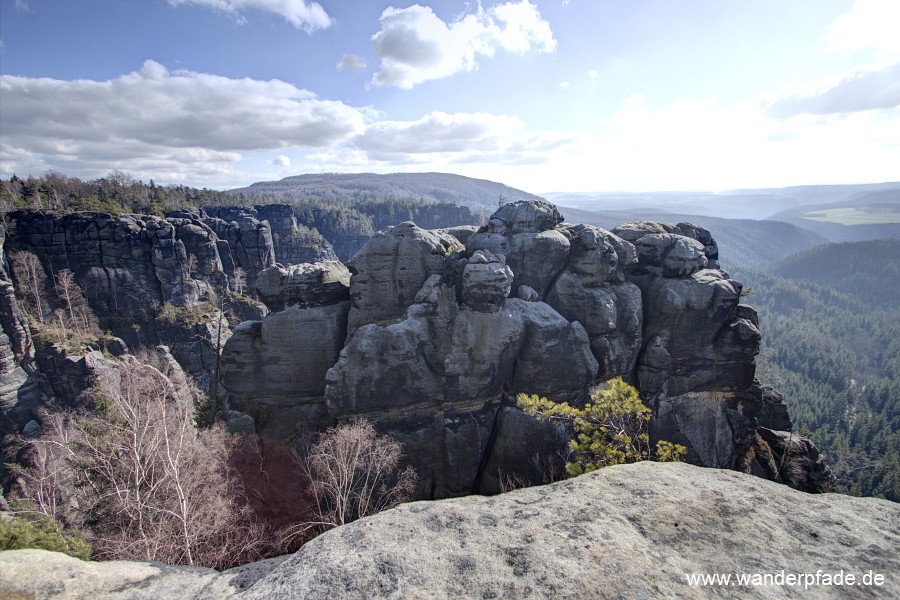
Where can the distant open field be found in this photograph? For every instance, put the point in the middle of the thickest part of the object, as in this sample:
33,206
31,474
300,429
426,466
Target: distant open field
876,214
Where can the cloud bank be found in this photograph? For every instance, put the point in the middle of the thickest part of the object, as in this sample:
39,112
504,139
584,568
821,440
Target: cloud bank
157,120
457,138
414,45
870,24
198,128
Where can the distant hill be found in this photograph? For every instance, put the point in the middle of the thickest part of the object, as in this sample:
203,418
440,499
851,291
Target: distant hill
438,187
750,205
867,215
736,204
743,243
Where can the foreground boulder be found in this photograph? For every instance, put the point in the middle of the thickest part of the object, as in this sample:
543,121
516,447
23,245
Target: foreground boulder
631,531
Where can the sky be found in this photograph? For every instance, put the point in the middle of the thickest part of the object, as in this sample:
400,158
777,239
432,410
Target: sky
542,95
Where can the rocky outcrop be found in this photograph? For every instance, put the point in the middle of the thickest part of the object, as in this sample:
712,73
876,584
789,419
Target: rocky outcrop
592,290
391,268
144,276
431,333
441,337
632,531
697,365
273,370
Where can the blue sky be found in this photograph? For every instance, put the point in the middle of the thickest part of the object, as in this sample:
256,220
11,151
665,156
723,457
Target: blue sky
544,95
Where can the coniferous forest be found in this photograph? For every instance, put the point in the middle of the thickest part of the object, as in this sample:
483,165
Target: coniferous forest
831,344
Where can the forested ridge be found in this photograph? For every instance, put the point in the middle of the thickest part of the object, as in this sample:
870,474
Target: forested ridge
831,344
120,193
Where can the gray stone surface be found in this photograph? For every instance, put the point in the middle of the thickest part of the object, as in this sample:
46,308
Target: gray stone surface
630,531
635,230
441,373
391,268
306,284
275,369
675,255
486,282
527,216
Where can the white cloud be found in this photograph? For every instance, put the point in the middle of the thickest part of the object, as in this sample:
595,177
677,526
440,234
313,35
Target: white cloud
870,24
157,121
22,5
351,62
302,14
864,88
565,84
281,161
415,45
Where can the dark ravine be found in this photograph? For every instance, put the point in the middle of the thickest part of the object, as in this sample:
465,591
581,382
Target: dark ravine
629,531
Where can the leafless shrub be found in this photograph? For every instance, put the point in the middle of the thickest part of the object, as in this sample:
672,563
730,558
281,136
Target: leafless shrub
511,481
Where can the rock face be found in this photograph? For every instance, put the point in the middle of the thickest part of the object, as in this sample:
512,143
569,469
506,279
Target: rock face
630,531
307,284
696,369
254,232
273,370
391,268
441,337
132,267
127,266
20,396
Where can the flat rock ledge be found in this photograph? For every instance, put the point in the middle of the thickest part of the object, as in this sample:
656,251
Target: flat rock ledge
631,531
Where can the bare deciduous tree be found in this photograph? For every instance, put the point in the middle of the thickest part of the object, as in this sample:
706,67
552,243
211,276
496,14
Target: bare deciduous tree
48,475
148,484
239,280
30,278
353,472
78,313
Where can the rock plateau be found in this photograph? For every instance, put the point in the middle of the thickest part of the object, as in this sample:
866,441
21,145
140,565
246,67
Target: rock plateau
629,531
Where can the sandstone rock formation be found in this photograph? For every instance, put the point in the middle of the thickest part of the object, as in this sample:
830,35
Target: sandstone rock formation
440,338
429,333
132,267
629,531
255,232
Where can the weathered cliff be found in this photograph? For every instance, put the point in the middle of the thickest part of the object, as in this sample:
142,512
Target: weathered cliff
629,531
146,278
430,333
20,395
443,331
